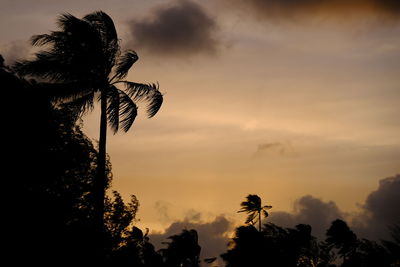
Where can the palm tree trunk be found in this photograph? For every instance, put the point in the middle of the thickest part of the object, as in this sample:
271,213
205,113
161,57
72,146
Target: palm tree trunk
259,221
101,178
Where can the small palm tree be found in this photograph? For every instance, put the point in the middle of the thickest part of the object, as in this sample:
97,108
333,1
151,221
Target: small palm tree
83,62
254,208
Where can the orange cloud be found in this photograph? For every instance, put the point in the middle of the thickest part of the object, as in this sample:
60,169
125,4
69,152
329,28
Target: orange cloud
276,9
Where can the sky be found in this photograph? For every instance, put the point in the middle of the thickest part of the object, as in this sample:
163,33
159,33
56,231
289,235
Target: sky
296,101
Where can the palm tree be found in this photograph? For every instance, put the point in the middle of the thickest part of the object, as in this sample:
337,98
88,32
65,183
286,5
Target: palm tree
254,208
83,62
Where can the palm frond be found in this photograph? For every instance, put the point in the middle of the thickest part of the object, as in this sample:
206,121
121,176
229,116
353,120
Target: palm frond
105,23
250,219
75,53
65,91
252,204
67,21
81,45
137,91
124,63
247,207
256,200
83,104
106,28
48,66
44,39
265,213
113,102
146,92
128,111
121,110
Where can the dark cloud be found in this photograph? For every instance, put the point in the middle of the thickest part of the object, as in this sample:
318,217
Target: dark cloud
267,146
381,210
275,9
282,149
182,28
309,210
378,214
212,235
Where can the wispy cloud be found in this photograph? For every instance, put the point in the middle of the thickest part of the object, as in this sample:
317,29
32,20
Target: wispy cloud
284,149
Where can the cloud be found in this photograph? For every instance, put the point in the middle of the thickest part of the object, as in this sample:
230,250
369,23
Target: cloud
162,208
213,237
181,28
277,9
378,214
14,51
380,211
268,146
309,210
282,149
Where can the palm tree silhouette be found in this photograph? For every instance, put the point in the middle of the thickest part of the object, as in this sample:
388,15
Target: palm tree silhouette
254,208
83,62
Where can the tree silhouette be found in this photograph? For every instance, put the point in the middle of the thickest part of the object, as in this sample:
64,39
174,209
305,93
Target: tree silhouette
183,250
274,246
254,208
246,248
340,236
119,218
83,62
127,245
393,246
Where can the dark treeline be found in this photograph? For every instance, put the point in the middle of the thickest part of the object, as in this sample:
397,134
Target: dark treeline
277,246
51,195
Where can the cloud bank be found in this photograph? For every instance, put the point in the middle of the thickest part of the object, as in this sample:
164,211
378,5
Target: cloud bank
381,210
213,237
275,9
309,210
377,215
182,28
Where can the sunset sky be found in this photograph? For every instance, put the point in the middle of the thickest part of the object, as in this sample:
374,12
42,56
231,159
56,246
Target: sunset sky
277,98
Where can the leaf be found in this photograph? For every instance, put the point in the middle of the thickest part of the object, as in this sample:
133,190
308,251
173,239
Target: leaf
265,213
121,110
125,62
106,28
250,218
155,101
104,23
113,108
128,111
146,92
